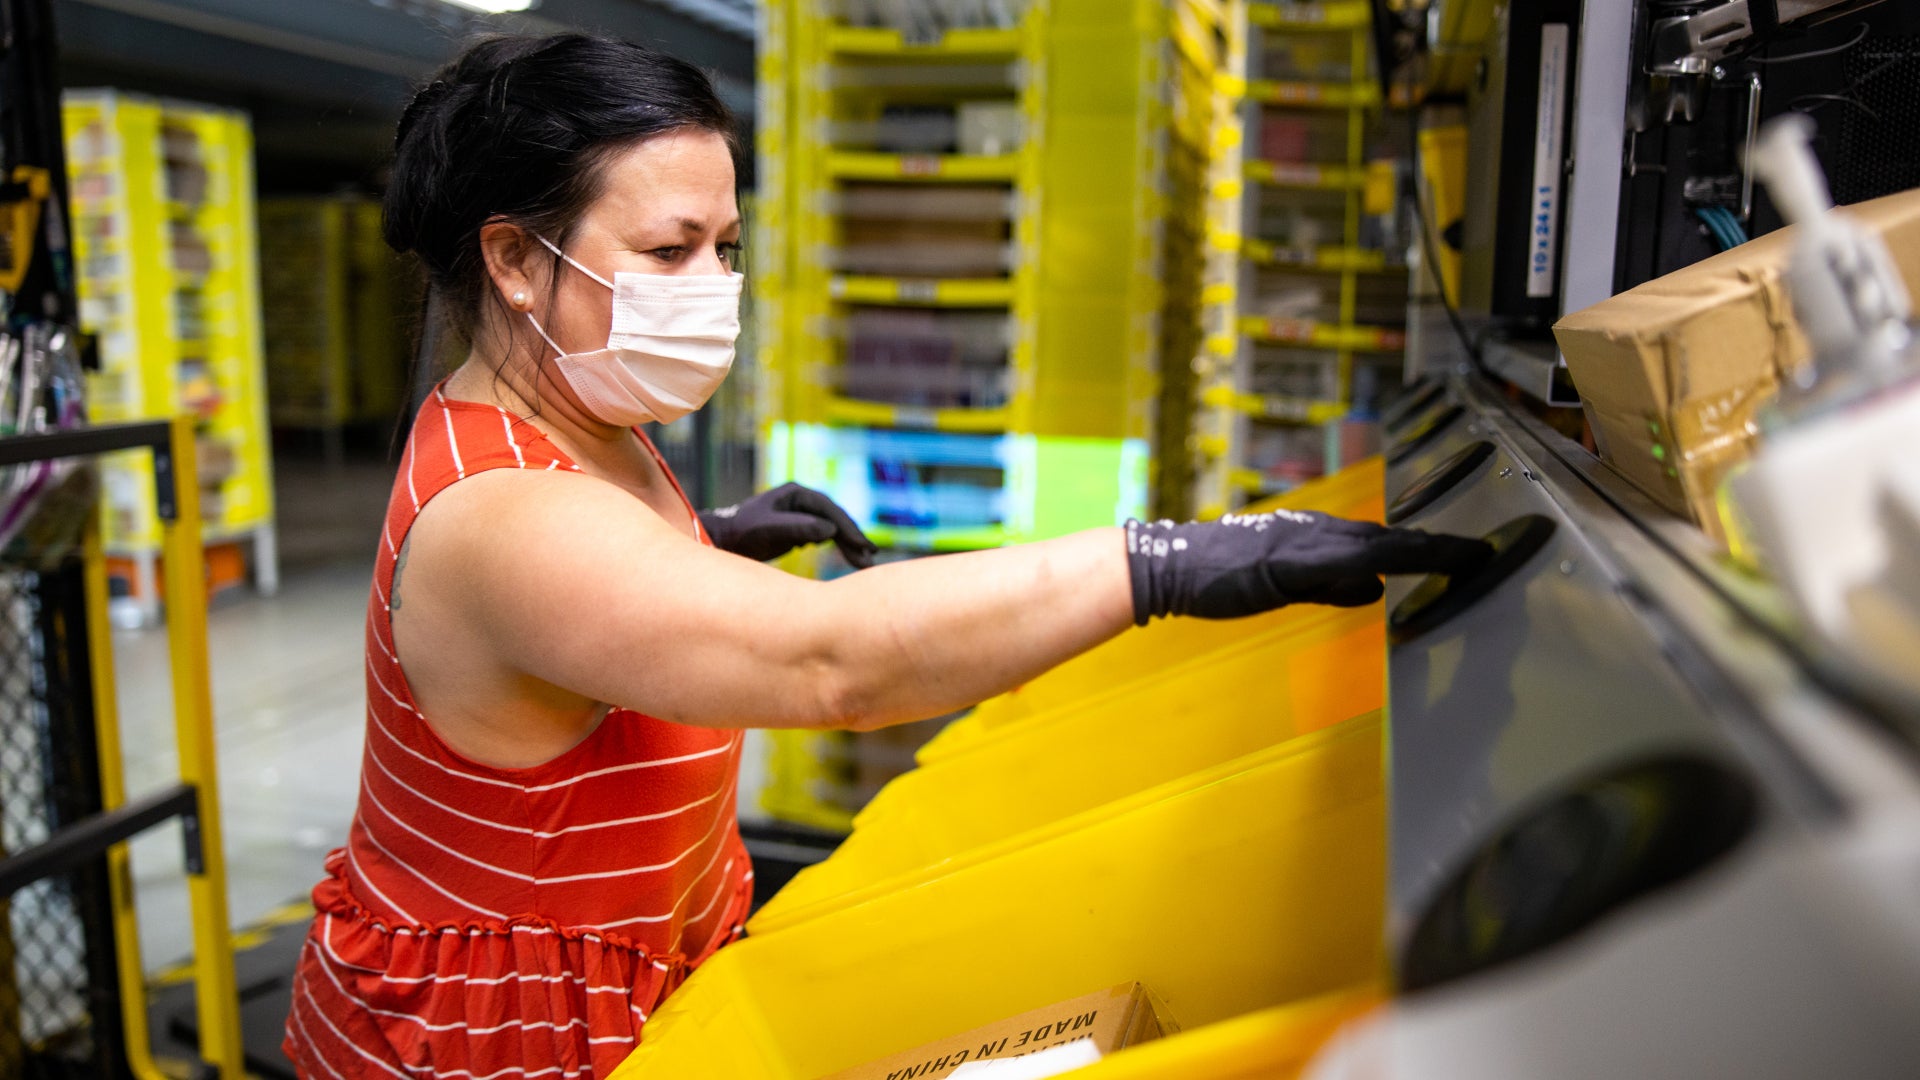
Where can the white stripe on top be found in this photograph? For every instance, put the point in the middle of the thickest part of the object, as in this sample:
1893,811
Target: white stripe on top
425,880
413,455
506,422
652,763
453,443
522,829
458,1025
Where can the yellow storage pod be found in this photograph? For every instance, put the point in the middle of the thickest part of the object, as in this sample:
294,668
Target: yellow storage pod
166,257
1261,886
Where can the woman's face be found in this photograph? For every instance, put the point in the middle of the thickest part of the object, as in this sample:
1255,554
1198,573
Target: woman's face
667,207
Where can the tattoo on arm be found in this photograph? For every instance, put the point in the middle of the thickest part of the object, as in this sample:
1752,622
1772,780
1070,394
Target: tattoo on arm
399,564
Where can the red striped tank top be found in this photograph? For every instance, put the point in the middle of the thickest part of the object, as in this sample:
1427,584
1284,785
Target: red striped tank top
487,922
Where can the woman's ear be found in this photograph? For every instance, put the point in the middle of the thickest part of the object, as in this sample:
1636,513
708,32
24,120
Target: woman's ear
511,263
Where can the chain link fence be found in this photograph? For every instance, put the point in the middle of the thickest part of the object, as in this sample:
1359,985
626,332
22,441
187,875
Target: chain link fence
55,935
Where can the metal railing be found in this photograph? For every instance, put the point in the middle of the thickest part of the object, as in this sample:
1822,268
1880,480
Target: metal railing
80,843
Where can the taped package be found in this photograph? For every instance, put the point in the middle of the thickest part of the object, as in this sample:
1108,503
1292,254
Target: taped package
1674,374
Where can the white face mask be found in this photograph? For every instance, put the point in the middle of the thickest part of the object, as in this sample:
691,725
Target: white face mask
670,347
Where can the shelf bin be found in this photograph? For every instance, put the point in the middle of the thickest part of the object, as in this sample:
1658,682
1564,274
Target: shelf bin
1145,654
1263,887
1079,758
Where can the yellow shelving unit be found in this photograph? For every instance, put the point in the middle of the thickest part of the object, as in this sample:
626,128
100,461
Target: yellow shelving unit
962,331
336,353
1286,315
165,238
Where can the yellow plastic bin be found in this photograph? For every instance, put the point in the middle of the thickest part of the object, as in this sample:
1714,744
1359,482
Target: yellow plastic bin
1070,760
1355,492
1263,887
1272,1044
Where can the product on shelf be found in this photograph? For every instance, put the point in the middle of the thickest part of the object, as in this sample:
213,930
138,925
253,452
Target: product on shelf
928,358
990,128
924,248
924,18
922,202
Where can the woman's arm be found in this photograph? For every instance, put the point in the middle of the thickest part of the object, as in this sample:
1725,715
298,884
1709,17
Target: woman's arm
573,582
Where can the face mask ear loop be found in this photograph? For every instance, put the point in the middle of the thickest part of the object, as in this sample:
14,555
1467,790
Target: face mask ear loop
557,350
570,262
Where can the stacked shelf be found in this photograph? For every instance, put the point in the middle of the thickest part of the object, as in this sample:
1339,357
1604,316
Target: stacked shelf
915,234
336,352
1306,282
1196,58
958,277
165,241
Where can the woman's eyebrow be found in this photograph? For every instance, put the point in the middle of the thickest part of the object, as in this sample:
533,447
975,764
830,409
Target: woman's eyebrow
694,225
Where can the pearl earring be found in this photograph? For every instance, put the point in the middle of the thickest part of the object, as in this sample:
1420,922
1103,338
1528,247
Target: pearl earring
520,299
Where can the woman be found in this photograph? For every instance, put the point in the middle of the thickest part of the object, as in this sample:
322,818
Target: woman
545,843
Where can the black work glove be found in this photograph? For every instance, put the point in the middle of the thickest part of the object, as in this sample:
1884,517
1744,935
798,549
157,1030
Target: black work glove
1244,564
775,522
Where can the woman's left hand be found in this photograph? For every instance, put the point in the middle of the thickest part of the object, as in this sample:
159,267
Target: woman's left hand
775,522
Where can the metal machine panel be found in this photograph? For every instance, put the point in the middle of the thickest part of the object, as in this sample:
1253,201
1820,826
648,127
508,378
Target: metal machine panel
1546,678
1632,835
1519,112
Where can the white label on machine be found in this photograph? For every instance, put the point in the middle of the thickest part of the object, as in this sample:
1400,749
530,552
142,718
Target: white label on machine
1544,230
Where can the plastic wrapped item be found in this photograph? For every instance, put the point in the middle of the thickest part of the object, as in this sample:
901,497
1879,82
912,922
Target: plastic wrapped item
990,128
1294,296
934,359
925,202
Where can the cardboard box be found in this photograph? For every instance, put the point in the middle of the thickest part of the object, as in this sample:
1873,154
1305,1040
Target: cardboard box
1111,1019
1673,374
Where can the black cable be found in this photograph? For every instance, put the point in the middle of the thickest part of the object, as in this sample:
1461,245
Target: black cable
1427,237
1826,99
1865,29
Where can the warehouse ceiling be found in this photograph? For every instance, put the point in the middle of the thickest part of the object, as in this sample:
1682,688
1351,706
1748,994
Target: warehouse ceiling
325,80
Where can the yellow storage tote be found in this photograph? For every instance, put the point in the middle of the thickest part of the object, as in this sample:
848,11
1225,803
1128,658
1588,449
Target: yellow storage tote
1272,1044
1355,492
1264,886
1225,705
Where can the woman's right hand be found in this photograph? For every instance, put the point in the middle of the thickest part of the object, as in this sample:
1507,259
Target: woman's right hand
1244,564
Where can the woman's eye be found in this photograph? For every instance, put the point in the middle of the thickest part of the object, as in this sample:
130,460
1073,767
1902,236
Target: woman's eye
730,252
668,254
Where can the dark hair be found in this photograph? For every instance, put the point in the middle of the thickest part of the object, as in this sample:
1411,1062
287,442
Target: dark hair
519,127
